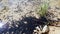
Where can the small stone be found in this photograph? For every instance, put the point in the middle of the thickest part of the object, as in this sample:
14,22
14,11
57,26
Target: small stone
45,29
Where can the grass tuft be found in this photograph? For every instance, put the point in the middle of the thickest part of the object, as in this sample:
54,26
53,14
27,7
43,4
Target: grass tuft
43,10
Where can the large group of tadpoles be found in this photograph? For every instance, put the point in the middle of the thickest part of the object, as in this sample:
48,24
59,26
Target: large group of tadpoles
27,25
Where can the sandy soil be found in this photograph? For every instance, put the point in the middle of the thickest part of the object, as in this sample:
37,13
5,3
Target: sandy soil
54,30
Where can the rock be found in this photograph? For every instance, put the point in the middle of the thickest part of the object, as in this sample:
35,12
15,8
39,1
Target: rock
38,30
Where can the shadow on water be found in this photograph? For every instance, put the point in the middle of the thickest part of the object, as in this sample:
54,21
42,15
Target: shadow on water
26,25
